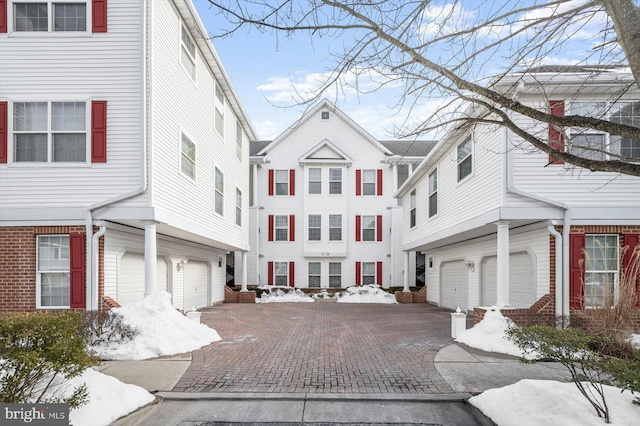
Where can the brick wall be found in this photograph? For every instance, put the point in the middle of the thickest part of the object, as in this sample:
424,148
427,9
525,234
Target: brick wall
18,264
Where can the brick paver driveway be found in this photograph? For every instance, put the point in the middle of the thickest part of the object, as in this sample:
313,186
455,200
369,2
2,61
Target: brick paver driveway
321,347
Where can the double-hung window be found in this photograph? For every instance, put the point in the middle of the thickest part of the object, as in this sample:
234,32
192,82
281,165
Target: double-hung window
335,274
595,145
281,272
465,158
282,227
335,181
314,274
50,132
315,180
188,53
601,270
238,207
219,110
315,227
188,157
335,227
219,191
433,193
282,182
53,271
47,16
368,273
238,140
368,228
412,212
369,182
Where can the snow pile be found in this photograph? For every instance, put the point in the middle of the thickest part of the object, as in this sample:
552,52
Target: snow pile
634,339
284,295
489,334
371,293
109,399
547,402
323,294
162,331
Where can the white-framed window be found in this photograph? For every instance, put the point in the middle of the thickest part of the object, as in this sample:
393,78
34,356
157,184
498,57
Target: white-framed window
335,274
219,191
282,227
335,227
368,228
591,144
412,211
335,181
368,273
188,52
50,16
369,182
187,157
238,207
219,124
53,271
314,274
238,140
281,273
433,193
465,158
315,180
315,227
602,268
282,182
50,132
219,93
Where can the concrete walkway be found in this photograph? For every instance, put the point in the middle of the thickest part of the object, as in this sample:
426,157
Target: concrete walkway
459,371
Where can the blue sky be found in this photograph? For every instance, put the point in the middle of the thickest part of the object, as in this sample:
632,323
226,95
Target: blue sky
262,68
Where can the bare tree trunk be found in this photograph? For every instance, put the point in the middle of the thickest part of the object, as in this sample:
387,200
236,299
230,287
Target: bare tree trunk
626,23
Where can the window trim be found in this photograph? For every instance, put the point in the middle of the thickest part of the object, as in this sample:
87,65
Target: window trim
375,182
309,181
335,227
309,274
362,274
238,207
616,272
50,133
275,182
412,208
239,139
218,194
433,193
335,275
470,156
309,227
333,180
39,273
183,49
276,227
362,226
183,134
275,274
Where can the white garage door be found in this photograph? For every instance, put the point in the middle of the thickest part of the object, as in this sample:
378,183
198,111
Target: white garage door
454,285
196,280
522,290
131,277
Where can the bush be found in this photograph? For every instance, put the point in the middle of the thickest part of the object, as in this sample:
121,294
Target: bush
106,327
39,352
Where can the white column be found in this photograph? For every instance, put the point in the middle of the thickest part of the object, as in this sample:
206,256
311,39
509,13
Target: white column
150,258
394,172
244,271
254,201
503,264
406,272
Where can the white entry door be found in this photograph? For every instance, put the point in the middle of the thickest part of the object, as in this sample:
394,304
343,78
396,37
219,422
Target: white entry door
454,285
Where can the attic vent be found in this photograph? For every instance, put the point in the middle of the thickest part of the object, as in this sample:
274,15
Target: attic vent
325,115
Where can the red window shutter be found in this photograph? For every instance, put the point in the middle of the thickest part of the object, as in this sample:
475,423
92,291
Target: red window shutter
292,274
379,228
4,131
292,182
358,273
99,131
358,228
358,182
77,272
272,183
379,181
270,273
379,273
271,226
576,270
3,16
556,139
292,228
99,18
631,260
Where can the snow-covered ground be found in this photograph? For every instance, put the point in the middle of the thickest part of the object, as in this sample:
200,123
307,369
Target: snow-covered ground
539,402
162,331
370,293
275,294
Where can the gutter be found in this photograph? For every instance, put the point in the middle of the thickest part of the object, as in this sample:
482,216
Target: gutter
91,280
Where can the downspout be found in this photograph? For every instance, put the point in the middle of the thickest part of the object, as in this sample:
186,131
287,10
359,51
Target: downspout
92,243
558,267
562,284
